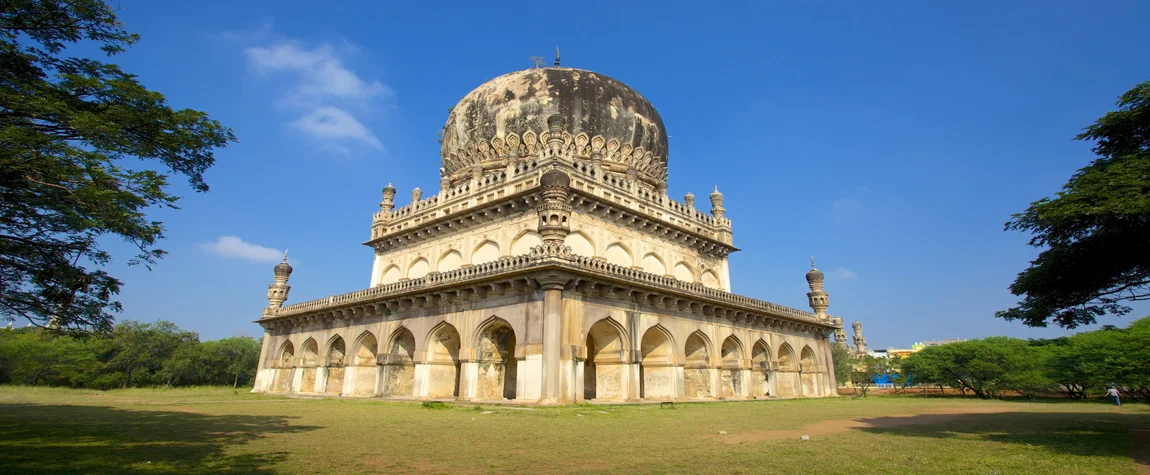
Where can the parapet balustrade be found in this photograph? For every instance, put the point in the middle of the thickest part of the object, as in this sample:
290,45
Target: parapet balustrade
538,258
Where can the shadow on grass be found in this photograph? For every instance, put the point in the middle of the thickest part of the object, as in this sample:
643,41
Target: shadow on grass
1075,433
95,439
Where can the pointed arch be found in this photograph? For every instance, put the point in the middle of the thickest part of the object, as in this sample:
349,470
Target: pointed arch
284,373
399,364
418,268
526,240
760,369
698,349
366,347
495,354
336,350
580,244
617,253
334,356
786,357
698,366
653,264
390,275
286,355
606,352
732,352
709,279
684,272
309,352
443,345
807,361
656,368
449,261
486,251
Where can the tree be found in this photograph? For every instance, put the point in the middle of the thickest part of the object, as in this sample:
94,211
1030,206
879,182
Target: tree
1096,231
866,369
68,125
235,359
137,351
844,363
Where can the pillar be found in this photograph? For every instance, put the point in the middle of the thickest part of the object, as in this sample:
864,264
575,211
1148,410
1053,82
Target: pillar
552,339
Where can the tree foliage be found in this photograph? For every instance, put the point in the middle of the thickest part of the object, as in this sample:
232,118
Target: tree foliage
133,354
69,127
1096,231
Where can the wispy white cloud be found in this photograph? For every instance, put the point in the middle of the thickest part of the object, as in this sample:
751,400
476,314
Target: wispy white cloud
333,125
847,206
843,273
232,246
326,92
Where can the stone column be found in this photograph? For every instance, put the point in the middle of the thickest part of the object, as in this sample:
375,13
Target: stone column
320,379
265,376
552,338
468,374
831,381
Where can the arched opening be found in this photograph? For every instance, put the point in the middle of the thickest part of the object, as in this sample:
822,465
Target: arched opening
579,245
760,369
603,369
731,371
418,269
399,365
809,372
391,275
657,370
618,255
309,359
684,273
443,360
497,365
486,252
450,261
652,263
284,366
710,280
525,242
697,367
366,371
787,381
336,351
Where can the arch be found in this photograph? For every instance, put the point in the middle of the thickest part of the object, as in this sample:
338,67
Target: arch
391,274
495,354
449,261
366,347
786,358
603,369
807,361
309,358
618,254
656,369
399,364
651,263
443,345
336,351
697,366
418,269
760,369
486,251
580,244
284,372
709,280
524,242
731,372
684,273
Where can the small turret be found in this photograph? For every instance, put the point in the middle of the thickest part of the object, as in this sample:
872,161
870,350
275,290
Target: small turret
689,198
717,203
840,334
388,202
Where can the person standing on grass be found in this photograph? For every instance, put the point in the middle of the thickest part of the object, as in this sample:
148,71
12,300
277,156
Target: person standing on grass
1114,397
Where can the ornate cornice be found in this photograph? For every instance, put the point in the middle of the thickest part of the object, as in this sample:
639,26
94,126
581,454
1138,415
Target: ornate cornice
515,274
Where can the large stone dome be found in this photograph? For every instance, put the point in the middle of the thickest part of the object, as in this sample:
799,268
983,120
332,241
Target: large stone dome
514,115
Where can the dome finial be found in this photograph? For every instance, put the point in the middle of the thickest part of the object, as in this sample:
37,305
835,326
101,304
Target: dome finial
557,56
285,255
812,262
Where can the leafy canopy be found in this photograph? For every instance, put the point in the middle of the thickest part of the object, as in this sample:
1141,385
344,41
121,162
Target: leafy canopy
69,129
1096,231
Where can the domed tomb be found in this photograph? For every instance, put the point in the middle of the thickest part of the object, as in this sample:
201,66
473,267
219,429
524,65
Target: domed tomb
515,116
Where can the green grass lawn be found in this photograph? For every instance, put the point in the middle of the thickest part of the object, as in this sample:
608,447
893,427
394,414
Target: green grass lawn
218,430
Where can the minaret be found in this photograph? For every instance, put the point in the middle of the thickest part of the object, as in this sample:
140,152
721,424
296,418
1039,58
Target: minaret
818,298
860,340
717,203
554,211
388,202
278,291
840,334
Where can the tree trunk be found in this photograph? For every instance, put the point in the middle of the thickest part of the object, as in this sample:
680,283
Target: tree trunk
236,381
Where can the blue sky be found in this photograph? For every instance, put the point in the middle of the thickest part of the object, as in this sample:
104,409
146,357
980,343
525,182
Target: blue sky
891,140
